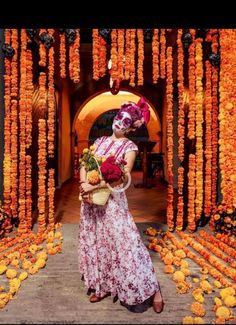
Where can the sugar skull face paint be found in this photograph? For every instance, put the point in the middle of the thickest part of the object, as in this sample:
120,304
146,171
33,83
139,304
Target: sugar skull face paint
122,122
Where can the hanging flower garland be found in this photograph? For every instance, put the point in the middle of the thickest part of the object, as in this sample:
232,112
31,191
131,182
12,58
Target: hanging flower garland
199,129
114,55
102,56
120,55
227,144
163,54
42,154
191,193
51,102
22,137
155,56
28,187
208,146
51,207
192,92
132,57
74,56
140,56
29,96
95,54
62,55
42,50
215,124
7,137
169,95
127,53
14,125
181,130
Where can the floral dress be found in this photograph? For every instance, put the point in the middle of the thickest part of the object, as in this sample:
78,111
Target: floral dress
112,256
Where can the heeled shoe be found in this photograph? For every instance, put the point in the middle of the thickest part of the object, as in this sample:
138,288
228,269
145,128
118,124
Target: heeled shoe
158,303
95,298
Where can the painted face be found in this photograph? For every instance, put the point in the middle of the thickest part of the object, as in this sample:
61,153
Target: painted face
121,122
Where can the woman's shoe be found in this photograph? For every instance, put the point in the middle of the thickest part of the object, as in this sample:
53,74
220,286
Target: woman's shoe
95,298
158,303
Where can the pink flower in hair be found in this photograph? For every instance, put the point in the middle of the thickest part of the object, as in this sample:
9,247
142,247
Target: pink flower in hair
139,112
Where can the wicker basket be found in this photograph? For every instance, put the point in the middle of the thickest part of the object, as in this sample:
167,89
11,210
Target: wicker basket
101,195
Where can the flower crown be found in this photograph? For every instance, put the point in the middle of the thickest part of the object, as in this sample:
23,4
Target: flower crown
139,112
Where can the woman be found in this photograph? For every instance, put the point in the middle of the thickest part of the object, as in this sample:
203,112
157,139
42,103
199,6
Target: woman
113,259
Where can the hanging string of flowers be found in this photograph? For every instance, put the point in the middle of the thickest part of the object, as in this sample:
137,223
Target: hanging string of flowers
29,96
191,79
28,187
181,130
76,57
22,137
14,124
102,56
199,129
155,56
42,50
42,155
208,147
140,56
226,117
191,193
51,102
132,57
120,56
169,95
62,55
114,55
51,207
215,124
7,137
95,54
127,53
163,53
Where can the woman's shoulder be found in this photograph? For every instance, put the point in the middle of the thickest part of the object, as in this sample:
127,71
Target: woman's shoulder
130,145
100,139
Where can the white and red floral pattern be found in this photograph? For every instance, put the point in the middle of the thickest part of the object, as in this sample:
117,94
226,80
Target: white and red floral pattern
112,257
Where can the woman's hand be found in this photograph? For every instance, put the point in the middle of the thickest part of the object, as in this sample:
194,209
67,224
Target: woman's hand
86,188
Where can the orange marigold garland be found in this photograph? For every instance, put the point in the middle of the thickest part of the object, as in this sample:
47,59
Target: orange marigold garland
192,93
28,201
181,131
62,55
163,54
95,54
14,125
7,137
127,53
74,58
155,55
191,193
215,124
169,95
29,96
120,56
227,126
140,56
199,129
114,55
51,102
51,191
208,147
132,57
42,51
102,56
22,137
42,162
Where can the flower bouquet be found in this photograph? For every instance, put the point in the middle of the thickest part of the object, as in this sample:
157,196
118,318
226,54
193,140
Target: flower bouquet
101,169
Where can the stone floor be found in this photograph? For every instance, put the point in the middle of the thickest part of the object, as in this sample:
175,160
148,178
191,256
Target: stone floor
56,294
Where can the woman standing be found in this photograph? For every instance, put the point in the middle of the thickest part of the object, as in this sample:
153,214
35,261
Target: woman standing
112,257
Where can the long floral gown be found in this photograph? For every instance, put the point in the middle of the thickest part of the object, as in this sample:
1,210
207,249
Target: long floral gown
112,256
